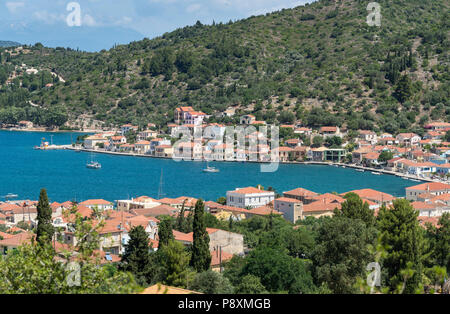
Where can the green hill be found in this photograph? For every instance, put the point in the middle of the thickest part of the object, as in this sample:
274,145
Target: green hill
6,43
319,63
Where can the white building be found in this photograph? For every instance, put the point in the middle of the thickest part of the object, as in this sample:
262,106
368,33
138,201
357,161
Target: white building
249,197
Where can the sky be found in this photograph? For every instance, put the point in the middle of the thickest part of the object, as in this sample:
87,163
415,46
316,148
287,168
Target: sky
103,23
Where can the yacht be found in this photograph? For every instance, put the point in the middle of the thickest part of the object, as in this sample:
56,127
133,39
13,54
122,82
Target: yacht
210,169
93,164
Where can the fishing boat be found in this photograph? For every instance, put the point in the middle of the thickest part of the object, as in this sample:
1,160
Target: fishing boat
360,170
210,169
376,173
10,196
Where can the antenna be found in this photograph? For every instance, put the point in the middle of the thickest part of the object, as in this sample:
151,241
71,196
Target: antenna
160,189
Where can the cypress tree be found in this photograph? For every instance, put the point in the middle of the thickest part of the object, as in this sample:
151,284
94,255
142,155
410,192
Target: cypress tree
45,228
136,258
165,233
403,236
201,257
180,220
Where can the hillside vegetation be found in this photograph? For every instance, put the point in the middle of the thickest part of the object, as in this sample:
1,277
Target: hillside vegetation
319,63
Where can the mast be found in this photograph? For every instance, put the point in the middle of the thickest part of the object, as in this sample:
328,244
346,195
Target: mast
160,189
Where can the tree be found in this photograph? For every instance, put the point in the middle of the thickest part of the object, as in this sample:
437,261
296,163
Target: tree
277,270
174,262
201,256
165,233
447,136
341,253
441,250
402,235
317,141
403,89
385,156
211,282
355,208
136,258
250,285
45,230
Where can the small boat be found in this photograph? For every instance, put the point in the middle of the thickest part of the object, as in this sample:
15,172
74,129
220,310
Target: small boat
376,173
93,165
210,169
360,170
10,196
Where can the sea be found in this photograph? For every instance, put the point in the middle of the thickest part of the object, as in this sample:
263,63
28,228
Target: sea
63,173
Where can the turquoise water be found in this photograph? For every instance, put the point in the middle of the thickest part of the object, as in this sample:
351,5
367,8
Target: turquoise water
63,173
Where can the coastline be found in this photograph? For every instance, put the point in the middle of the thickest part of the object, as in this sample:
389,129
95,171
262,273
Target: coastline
48,131
321,163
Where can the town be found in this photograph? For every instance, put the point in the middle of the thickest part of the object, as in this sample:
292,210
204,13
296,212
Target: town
18,218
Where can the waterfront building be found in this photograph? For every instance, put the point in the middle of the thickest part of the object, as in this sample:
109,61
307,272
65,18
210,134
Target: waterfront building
335,154
290,207
373,195
434,188
98,203
249,197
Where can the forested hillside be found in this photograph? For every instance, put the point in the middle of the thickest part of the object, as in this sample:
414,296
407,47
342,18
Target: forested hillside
319,63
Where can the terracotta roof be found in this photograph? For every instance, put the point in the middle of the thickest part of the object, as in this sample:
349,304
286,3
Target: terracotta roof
320,206
156,211
249,190
95,202
17,240
216,256
372,195
422,206
300,192
430,186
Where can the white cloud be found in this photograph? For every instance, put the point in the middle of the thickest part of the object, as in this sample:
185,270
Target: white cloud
13,7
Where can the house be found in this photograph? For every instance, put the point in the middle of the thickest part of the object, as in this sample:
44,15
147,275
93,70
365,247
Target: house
368,136
293,143
435,188
290,207
318,154
330,131
116,141
303,130
443,169
141,202
142,147
164,151
92,142
300,194
180,114
358,154
147,134
424,169
335,154
25,124
408,139
13,242
156,211
438,126
319,208
249,197
284,153
194,117
98,203
373,195
371,159
157,142
124,129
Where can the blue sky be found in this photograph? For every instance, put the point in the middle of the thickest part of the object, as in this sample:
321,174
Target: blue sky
105,22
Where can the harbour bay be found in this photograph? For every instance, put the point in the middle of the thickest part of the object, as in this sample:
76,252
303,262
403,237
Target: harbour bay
64,174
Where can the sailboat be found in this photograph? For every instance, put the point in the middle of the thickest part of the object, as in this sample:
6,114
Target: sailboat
210,169
93,164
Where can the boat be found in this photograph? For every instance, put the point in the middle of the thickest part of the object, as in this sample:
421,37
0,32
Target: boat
360,170
210,169
376,173
93,164
10,196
